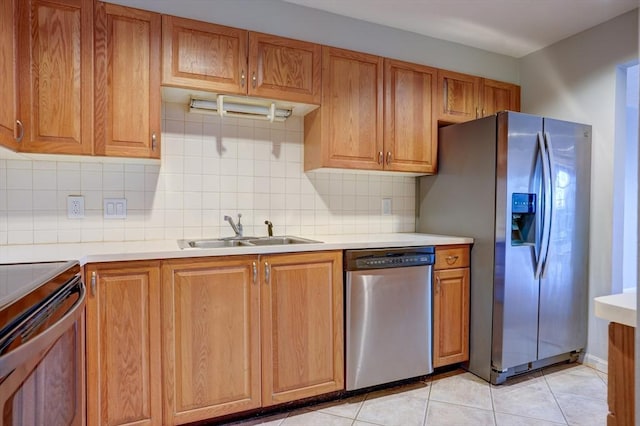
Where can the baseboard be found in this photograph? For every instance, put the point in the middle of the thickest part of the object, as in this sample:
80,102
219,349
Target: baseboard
596,363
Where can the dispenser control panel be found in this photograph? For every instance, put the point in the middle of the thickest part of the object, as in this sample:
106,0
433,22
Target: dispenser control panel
523,203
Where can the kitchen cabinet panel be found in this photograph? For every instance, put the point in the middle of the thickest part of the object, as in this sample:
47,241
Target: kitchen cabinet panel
347,130
210,323
451,292
621,381
410,132
127,94
123,344
458,96
203,56
55,65
499,96
302,326
9,128
286,69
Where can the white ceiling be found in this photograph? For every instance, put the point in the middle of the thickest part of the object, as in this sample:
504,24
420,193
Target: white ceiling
510,27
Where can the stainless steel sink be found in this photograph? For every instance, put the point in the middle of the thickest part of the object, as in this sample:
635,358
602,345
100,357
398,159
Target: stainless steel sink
243,242
281,240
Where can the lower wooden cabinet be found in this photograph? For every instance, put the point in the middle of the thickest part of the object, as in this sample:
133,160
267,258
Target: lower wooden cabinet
123,344
211,340
451,287
621,383
302,326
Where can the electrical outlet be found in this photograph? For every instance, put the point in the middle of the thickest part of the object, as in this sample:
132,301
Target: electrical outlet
386,206
115,208
75,206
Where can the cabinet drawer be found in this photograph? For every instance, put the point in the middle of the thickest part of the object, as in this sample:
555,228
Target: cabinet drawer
448,257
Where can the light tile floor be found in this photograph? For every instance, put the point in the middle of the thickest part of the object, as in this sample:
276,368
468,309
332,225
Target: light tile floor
560,395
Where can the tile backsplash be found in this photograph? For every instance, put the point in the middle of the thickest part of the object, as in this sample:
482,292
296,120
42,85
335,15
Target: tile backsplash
210,167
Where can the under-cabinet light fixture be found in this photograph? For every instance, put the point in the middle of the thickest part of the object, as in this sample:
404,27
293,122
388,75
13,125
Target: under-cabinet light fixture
223,108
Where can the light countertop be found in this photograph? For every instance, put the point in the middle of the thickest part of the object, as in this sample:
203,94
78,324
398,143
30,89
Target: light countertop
166,249
620,308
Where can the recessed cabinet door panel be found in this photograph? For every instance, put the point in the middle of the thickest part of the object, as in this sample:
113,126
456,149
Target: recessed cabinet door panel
352,94
302,326
451,316
458,97
410,132
211,330
283,68
56,75
127,82
203,56
123,344
499,96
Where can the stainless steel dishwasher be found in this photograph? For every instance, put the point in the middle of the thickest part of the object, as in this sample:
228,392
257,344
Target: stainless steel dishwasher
388,315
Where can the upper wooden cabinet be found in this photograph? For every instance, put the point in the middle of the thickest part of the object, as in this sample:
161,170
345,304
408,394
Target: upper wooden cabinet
203,56
347,130
211,346
123,343
302,326
127,82
463,97
55,66
9,127
410,132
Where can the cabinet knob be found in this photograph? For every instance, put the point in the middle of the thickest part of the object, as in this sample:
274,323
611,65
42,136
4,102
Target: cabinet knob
20,128
267,273
255,272
93,283
388,157
242,78
438,284
380,157
154,141
254,80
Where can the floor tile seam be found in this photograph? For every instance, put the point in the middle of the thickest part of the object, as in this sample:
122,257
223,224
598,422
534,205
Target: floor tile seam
461,405
530,417
493,405
309,409
581,396
564,416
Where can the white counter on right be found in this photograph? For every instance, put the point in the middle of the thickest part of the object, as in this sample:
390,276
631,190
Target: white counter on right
620,308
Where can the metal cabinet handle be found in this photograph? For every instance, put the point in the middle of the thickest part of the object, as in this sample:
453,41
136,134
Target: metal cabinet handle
477,112
254,80
484,112
388,157
94,278
255,272
267,273
437,283
20,130
154,140
380,157
242,78
451,259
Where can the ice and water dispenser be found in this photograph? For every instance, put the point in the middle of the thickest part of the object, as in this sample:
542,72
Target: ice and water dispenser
523,219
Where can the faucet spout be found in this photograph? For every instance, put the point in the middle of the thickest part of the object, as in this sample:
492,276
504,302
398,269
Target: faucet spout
269,227
237,228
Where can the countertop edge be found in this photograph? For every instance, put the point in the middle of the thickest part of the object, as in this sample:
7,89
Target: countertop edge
168,249
620,308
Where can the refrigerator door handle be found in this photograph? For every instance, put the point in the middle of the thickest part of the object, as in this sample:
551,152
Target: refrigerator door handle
550,197
546,192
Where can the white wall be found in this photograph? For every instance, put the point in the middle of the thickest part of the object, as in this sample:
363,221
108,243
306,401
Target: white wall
575,80
210,168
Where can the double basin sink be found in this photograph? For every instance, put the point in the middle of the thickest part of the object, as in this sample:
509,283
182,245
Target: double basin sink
243,242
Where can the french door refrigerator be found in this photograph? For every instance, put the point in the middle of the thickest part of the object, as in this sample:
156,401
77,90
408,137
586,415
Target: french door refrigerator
519,185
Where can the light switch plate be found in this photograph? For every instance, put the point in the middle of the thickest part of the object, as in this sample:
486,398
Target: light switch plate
386,206
115,208
75,206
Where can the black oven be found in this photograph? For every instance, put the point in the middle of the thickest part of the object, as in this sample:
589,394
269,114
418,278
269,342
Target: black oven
42,344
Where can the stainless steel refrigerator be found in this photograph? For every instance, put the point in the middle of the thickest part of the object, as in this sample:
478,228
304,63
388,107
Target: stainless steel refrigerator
519,185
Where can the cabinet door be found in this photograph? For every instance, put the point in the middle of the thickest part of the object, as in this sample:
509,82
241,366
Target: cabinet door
346,131
450,316
123,344
127,95
9,128
211,342
409,129
499,96
458,97
302,326
55,65
282,68
203,56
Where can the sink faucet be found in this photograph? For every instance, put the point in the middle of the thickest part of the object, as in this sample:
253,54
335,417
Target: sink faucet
269,227
237,228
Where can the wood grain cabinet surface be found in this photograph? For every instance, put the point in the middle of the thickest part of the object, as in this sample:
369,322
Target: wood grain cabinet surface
127,82
463,97
203,56
55,68
211,337
621,387
123,344
451,290
9,126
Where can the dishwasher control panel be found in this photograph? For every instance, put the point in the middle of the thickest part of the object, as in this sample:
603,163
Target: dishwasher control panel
388,258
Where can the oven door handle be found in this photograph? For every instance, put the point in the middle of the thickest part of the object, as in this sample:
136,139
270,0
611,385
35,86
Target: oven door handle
39,345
